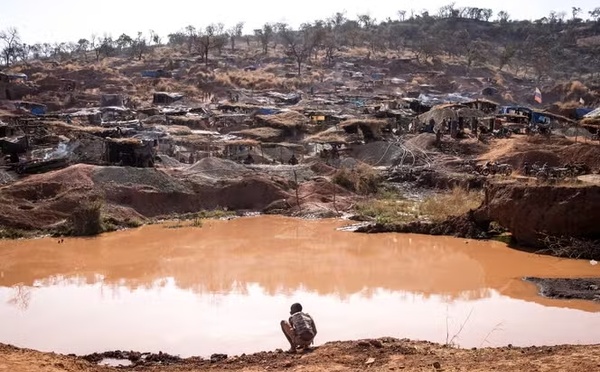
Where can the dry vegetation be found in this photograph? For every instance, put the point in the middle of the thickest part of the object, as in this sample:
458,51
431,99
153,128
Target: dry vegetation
362,180
393,208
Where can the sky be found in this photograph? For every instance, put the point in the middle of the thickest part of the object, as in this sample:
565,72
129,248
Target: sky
70,20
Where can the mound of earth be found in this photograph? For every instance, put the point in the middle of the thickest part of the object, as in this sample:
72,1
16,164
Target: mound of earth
554,151
532,212
378,153
43,201
386,354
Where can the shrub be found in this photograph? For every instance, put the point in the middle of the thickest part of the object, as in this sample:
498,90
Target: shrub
86,220
362,180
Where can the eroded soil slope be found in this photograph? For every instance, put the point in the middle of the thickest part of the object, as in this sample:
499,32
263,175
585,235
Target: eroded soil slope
376,355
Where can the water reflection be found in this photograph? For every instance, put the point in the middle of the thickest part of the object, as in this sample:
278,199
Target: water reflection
162,288
21,297
70,317
284,255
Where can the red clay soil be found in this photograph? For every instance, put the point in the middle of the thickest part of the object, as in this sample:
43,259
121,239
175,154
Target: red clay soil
538,149
530,210
42,201
385,354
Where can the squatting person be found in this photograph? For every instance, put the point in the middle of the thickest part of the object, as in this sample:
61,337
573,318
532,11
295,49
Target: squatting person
300,330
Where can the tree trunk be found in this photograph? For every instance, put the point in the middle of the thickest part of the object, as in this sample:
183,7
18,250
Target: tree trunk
299,67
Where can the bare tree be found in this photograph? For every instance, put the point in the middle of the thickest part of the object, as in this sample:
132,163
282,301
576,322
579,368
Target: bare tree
139,46
265,35
235,32
82,47
402,15
11,39
298,46
192,35
207,41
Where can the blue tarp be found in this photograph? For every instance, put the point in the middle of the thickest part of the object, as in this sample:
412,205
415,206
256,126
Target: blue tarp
38,110
581,112
268,111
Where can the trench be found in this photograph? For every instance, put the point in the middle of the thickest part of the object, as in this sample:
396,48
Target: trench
224,287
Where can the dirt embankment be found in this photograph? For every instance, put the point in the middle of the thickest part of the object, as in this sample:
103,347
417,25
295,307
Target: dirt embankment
530,212
385,354
558,220
134,195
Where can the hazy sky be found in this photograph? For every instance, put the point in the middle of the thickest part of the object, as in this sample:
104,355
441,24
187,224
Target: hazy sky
70,20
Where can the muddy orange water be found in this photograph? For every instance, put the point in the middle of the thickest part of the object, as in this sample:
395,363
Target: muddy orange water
225,286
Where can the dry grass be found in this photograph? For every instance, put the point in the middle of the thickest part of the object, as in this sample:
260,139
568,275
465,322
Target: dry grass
290,119
257,80
457,202
391,208
331,135
261,134
362,180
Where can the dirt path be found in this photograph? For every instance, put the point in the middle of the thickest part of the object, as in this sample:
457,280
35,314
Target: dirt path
376,355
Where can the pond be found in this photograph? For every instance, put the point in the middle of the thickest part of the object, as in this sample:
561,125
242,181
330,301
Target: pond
225,286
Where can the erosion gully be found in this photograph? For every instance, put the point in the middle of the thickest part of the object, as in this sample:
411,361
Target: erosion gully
225,286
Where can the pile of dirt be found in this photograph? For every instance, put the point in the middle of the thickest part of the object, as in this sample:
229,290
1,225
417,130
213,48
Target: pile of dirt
320,198
169,162
218,168
540,157
378,153
385,354
44,201
585,153
424,141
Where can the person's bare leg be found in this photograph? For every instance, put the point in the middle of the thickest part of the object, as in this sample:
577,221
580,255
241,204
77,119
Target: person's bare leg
289,334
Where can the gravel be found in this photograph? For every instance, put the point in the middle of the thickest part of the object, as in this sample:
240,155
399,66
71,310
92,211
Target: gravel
151,177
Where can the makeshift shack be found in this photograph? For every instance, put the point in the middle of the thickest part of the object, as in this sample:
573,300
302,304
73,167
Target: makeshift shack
369,129
115,100
291,122
130,152
484,105
165,98
31,107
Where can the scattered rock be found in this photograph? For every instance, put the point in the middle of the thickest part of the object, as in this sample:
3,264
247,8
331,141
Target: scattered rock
217,358
370,361
376,343
437,365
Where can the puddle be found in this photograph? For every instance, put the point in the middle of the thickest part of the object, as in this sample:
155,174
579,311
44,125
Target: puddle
110,362
223,288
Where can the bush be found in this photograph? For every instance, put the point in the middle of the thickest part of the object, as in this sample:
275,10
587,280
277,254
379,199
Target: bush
362,180
86,220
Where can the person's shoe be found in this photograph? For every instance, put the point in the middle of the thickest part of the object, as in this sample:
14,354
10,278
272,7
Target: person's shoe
291,351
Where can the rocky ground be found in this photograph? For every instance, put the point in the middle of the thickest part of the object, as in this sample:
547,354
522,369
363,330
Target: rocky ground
584,288
377,355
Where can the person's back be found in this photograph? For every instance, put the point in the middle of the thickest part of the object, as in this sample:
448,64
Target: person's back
301,330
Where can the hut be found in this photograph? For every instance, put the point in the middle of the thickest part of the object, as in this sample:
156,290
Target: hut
263,134
291,122
112,100
485,105
166,98
130,152
369,129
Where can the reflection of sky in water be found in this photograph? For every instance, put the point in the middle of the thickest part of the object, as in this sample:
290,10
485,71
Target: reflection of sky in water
71,316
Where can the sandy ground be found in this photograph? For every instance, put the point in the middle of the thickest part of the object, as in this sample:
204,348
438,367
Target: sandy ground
377,355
